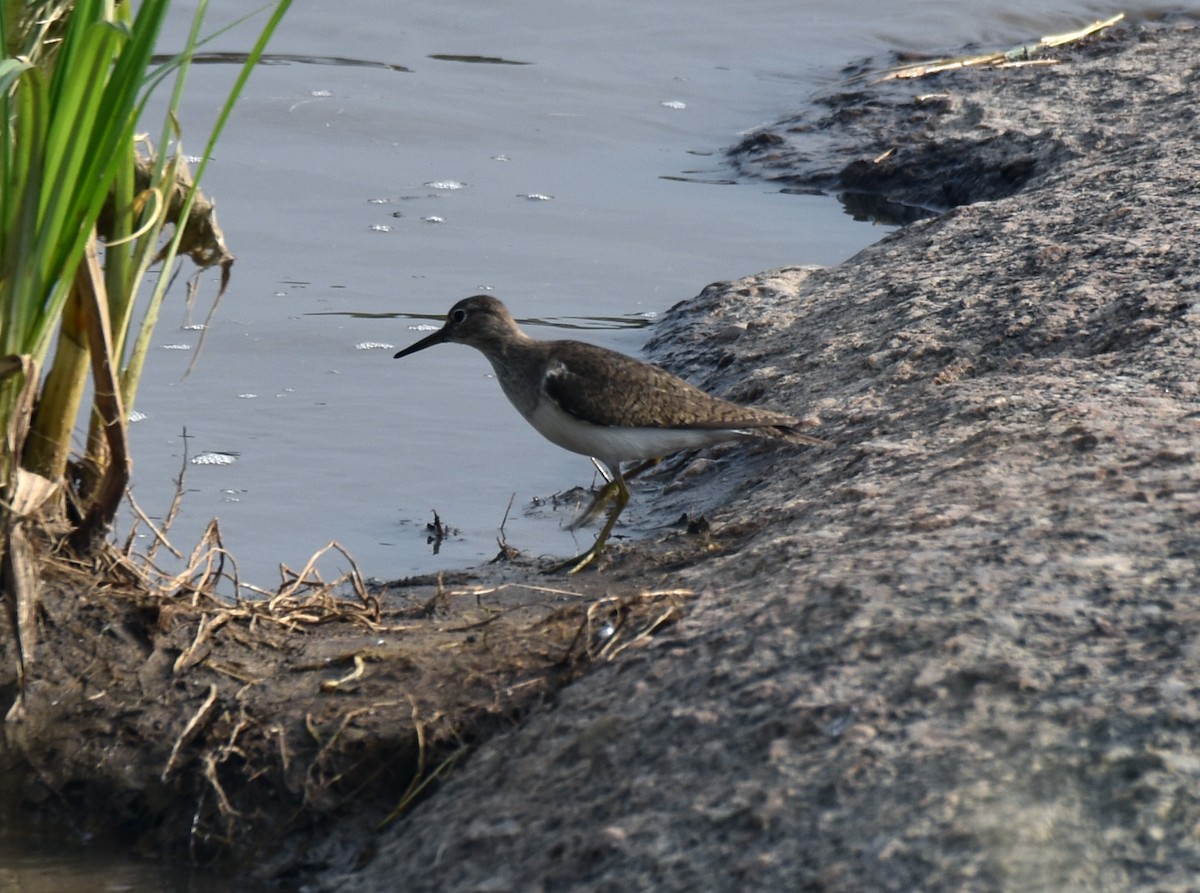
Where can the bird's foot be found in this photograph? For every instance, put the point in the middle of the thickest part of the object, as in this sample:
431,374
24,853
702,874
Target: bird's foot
574,565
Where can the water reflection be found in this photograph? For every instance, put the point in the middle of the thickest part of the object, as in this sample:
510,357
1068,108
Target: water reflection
235,58
284,59
476,60
573,323
29,865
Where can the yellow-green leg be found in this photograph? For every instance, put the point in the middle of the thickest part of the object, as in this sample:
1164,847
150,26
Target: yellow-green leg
615,487
622,500
579,562
607,492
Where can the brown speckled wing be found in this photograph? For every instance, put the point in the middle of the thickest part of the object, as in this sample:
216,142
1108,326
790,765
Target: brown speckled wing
608,388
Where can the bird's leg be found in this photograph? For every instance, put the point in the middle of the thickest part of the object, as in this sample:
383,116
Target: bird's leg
579,562
602,468
600,500
640,467
608,491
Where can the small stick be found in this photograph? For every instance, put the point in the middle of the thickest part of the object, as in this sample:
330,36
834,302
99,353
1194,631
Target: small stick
192,729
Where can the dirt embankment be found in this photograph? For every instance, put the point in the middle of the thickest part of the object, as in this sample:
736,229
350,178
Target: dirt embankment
961,651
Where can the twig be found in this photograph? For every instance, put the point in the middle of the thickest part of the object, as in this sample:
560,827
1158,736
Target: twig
210,773
203,633
191,730
608,652
159,536
177,499
357,673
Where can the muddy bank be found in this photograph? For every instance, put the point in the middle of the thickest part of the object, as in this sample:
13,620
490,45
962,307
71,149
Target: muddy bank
236,733
957,652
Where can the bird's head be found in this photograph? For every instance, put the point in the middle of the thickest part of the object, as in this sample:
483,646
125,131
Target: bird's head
480,321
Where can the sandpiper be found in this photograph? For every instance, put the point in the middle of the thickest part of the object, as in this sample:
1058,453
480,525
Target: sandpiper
601,403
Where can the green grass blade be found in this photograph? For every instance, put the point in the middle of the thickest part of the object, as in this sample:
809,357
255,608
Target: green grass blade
21,285
69,115
141,347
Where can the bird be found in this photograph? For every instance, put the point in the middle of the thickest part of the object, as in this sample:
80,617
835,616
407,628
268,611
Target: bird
602,404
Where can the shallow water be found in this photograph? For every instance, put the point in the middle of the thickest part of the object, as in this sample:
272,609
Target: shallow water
580,186
32,861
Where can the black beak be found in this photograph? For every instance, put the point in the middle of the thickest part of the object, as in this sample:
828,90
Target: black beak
438,337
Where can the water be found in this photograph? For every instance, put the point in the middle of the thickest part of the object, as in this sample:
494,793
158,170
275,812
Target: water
33,860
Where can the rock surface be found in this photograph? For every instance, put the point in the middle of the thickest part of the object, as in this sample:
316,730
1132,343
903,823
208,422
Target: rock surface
961,651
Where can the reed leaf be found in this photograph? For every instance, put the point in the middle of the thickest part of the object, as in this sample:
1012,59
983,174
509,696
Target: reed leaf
70,165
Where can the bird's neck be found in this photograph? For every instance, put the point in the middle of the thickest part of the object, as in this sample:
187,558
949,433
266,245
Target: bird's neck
518,362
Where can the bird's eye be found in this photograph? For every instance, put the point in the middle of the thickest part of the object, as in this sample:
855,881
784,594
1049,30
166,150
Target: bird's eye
458,315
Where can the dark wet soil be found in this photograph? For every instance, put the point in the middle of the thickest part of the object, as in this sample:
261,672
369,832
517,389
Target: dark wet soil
183,722
958,652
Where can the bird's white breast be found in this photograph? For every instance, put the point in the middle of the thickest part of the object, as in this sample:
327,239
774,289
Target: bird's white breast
612,445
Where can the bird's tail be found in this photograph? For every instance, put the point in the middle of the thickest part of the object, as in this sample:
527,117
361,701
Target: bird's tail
795,435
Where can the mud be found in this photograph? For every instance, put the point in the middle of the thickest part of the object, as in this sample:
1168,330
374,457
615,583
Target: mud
960,651
219,731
